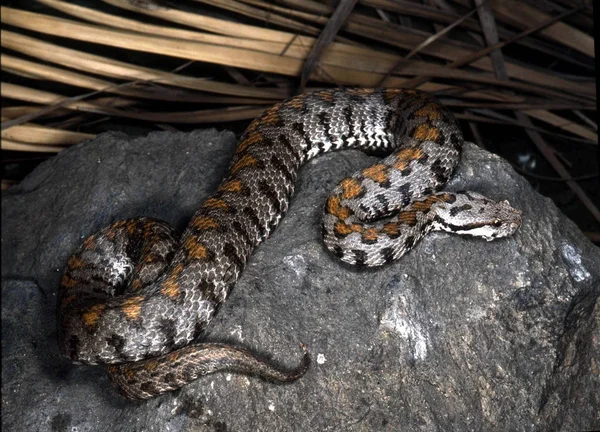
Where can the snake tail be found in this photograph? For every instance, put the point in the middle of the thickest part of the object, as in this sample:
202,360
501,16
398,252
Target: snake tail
145,379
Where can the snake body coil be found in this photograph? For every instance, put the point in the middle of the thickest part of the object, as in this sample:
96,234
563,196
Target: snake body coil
135,297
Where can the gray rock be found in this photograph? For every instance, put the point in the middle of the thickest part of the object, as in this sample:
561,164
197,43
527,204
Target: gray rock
460,334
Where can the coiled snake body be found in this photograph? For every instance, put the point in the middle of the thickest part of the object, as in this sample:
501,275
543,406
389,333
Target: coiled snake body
135,297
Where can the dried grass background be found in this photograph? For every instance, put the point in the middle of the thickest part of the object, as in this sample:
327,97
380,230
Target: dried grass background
527,66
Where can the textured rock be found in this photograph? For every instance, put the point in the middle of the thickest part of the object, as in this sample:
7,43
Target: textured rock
460,334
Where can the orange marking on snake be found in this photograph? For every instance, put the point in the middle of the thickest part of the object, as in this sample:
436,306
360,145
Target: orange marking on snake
252,127
360,91
149,258
149,233
357,227
204,222
235,186
335,208
244,162
405,156
65,301
426,132
271,117
195,250
215,203
150,365
425,205
391,229
111,234
124,370
251,139
90,242
170,287
431,111
68,282
409,217
351,188
344,229
370,234
136,284
296,103
325,96
378,173
132,307
131,225
91,317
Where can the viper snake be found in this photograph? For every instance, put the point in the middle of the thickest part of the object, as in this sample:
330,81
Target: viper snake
137,297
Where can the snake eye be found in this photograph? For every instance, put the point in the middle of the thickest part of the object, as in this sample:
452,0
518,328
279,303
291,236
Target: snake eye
497,223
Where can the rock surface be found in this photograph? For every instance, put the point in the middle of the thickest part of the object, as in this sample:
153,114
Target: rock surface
460,334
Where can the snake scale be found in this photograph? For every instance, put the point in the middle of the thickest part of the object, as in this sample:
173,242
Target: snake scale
137,297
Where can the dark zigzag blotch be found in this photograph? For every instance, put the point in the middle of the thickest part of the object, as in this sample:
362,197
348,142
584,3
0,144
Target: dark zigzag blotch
293,151
349,116
393,125
171,378
74,347
299,127
168,327
117,342
133,246
232,254
321,146
150,387
239,229
406,194
440,172
384,202
338,251
441,138
363,128
209,292
268,191
199,328
456,210
326,123
253,218
409,242
455,141
360,256
290,175
364,208
387,254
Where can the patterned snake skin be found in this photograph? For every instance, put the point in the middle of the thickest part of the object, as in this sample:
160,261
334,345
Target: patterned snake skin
135,297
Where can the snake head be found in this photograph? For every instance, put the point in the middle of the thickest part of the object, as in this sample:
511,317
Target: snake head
475,215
